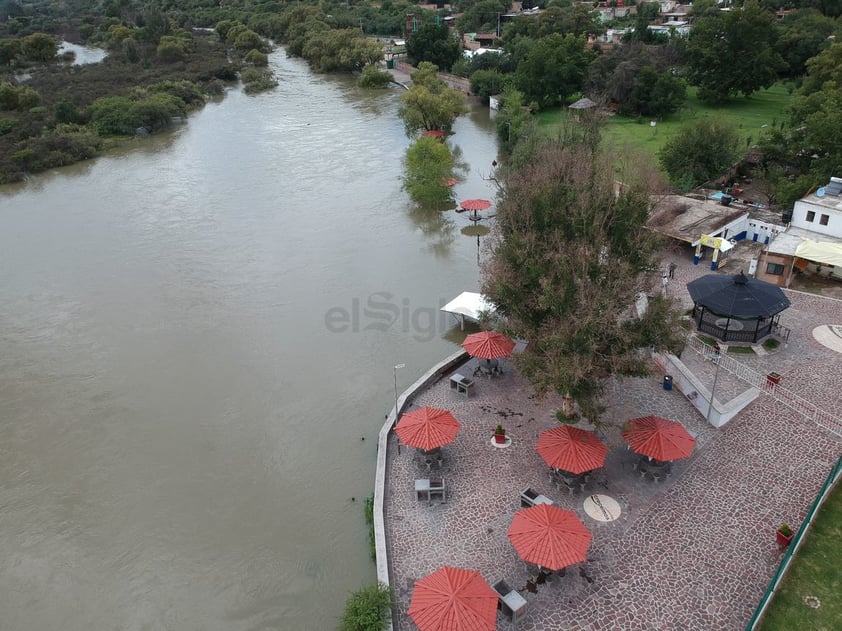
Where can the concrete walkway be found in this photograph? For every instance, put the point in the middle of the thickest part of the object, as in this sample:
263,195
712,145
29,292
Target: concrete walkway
693,552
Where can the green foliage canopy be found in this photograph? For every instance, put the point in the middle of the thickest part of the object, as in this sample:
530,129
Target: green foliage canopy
703,150
430,104
553,69
368,609
435,44
570,256
733,53
429,164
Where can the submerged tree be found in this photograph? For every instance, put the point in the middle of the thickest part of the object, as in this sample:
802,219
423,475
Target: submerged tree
429,167
430,104
570,257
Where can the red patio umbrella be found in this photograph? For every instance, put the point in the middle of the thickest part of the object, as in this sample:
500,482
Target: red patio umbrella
658,438
488,345
453,599
571,449
475,204
549,536
427,428
433,133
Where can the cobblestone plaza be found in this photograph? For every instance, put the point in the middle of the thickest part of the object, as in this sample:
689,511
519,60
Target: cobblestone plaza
693,551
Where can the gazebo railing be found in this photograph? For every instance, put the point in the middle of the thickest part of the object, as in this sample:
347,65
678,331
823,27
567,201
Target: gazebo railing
732,335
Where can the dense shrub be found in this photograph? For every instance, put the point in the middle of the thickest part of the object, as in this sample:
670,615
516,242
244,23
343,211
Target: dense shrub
38,47
113,115
256,58
373,77
8,97
248,40
66,112
157,110
7,125
257,80
486,83
171,49
368,609
28,98
187,91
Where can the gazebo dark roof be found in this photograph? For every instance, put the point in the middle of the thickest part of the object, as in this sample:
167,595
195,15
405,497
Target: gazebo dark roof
737,296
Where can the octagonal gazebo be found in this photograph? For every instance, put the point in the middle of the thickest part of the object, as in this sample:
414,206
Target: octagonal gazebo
736,308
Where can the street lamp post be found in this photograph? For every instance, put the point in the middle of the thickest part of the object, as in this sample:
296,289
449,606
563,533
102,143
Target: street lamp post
717,358
397,366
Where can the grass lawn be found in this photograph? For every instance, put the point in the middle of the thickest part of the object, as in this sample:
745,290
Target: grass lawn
771,344
749,114
815,571
745,350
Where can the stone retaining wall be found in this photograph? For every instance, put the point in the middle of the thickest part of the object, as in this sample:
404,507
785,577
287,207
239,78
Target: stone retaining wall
431,376
716,412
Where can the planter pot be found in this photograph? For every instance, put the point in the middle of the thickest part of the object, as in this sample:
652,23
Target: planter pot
784,540
499,438
773,379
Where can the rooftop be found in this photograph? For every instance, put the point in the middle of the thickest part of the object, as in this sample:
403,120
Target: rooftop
787,242
687,218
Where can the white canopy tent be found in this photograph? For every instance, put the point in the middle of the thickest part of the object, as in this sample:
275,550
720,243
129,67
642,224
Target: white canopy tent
820,252
469,305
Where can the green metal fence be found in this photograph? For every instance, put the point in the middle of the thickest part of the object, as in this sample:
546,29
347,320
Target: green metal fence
833,476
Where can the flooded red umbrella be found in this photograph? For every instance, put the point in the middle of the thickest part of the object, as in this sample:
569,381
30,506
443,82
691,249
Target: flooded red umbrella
475,204
433,133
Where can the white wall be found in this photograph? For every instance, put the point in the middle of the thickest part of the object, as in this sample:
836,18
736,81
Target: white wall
834,218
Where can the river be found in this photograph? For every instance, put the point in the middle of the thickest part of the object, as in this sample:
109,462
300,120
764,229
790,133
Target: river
198,336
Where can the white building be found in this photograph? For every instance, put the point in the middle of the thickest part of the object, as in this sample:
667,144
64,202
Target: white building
813,241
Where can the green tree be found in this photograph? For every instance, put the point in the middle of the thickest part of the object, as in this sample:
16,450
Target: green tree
429,165
481,17
513,121
553,70
657,93
486,83
340,50
824,67
66,112
9,50
249,40
701,150
647,12
170,50
433,43
430,104
114,115
815,139
373,77
804,34
570,257
733,53
39,47
8,97
20,98
368,609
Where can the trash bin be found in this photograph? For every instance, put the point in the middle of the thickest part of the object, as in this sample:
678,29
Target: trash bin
667,382
390,64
